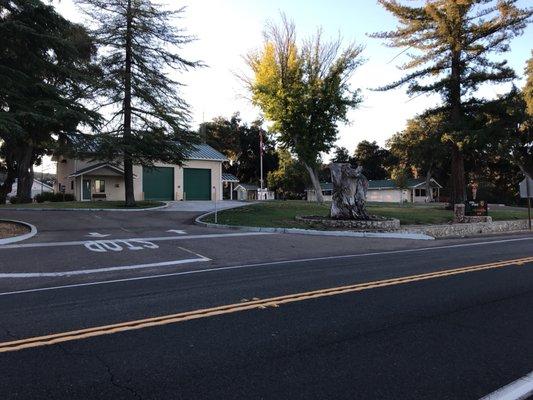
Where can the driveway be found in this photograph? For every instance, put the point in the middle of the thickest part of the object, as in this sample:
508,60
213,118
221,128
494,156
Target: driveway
202,206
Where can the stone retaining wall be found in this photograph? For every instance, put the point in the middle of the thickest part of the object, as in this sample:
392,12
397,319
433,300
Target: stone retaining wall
468,229
383,225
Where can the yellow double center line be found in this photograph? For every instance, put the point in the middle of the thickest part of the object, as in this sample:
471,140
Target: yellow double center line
250,305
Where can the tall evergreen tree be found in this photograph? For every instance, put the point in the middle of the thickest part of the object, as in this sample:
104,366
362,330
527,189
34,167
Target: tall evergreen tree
45,64
148,120
452,42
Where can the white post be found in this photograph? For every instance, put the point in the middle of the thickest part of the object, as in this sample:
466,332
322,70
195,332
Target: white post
81,187
216,211
231,190
528,193
261,156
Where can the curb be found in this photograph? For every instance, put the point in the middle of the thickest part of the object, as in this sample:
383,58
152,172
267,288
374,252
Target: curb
32,233
87,209
383,235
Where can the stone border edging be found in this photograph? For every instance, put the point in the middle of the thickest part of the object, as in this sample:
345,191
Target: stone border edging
85,209
472,229
383,235
19,238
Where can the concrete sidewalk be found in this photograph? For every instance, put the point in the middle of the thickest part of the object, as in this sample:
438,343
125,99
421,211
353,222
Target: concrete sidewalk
202,206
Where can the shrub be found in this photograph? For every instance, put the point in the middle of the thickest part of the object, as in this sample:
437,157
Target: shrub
54,197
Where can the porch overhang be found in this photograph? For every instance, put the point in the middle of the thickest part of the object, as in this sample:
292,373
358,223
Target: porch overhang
92,170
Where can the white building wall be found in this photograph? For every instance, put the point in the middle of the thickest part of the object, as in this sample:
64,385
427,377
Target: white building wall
64,169
388,195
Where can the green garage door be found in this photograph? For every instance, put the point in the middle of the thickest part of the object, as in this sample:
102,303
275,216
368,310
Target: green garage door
197,184
158,183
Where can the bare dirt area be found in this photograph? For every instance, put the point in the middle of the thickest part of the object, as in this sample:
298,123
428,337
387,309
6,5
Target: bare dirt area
11,229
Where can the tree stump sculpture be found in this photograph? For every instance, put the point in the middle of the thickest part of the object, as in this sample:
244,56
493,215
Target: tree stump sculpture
349,192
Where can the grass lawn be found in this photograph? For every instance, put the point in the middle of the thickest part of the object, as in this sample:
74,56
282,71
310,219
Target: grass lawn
85,204
282,213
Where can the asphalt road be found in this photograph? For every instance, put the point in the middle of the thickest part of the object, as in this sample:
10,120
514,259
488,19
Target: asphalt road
357,318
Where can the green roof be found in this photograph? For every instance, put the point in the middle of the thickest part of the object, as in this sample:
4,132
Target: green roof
89,144
385,184
227,177
205,152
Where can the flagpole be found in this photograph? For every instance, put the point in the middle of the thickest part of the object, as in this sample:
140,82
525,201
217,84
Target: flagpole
261,155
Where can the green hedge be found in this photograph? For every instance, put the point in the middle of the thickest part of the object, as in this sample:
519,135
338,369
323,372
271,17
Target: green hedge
54,197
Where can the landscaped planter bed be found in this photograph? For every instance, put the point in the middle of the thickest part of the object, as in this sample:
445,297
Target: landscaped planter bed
12,229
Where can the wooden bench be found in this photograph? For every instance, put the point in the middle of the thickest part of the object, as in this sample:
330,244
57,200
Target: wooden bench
99,196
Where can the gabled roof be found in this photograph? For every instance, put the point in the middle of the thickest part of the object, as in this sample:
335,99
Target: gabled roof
89,144
226,177
205,152
95,167
38,182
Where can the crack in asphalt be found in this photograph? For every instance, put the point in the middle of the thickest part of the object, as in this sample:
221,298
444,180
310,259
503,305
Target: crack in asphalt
112,378
8,333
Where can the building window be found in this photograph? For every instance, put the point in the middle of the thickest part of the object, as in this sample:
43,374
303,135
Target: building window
99,186
71,185
420,192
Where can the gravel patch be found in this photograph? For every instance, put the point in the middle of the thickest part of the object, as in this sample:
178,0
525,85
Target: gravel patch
11,229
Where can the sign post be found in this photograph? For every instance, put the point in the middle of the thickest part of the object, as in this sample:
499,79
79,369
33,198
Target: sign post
216,208
526,191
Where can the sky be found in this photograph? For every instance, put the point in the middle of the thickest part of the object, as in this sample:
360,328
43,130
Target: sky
228,29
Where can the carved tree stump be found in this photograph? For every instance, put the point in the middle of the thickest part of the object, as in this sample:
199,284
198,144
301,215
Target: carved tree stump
349,192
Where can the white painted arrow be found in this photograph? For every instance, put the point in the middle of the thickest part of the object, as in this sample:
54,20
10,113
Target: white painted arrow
96,235
178,231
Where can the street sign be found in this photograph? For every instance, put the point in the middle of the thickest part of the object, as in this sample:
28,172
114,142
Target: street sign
523,188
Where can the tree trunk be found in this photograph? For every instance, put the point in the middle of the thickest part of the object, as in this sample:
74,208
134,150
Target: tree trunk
11,174
313,174
458,193
25,174
350,187
128,163
7,185
429,191
458,189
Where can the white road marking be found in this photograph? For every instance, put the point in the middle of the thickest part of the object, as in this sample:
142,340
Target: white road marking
102,269
265,264
177,231
103,246
97,235
518,390
149,239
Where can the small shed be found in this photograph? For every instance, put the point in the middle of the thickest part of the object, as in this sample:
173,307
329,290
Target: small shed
246,191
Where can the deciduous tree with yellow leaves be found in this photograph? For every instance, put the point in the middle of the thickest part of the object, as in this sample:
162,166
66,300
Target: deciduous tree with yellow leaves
304,91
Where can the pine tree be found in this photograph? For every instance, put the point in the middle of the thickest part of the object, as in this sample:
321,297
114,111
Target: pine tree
148,119
450,43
